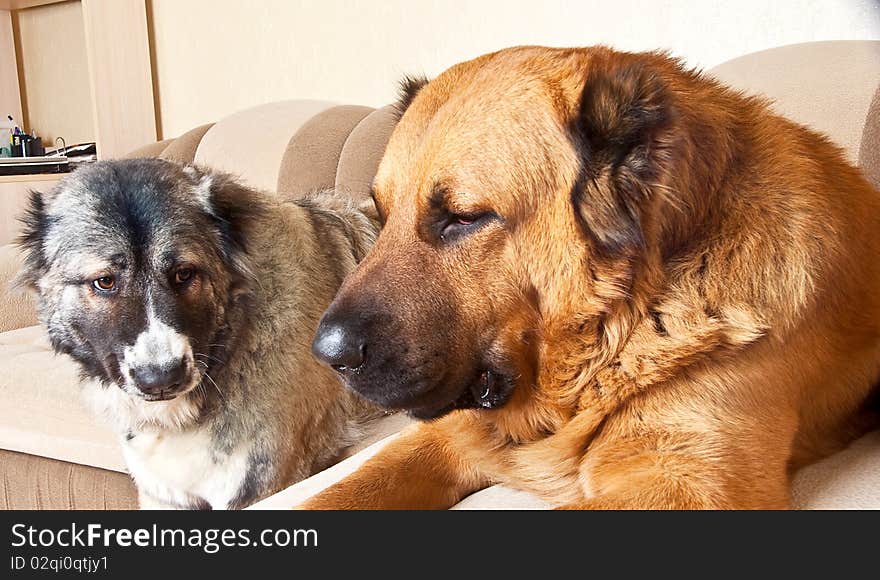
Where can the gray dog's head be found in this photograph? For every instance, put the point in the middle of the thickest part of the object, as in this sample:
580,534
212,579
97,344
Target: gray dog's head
135,264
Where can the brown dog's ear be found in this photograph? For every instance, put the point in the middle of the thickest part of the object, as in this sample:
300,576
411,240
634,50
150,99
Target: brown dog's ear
409,87
622,129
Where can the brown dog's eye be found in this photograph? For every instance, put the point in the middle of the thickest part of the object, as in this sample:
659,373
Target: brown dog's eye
104,284
459,225
183,275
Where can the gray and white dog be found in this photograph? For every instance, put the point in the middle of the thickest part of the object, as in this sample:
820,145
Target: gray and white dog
190,302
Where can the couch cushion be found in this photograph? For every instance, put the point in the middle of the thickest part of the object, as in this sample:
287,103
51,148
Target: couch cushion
825,85
312,156
29,482
40,408
849,479
869,152
362,152
16,305
183,149
149,150
252,143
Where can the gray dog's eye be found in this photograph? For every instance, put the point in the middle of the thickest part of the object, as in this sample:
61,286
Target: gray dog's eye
104,284
183,275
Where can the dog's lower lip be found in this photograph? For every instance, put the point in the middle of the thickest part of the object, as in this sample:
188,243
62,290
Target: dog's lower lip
487,378
166,395
489,391
160,397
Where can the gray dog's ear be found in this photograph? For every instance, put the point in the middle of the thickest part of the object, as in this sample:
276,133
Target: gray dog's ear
35,225
234,208
622,129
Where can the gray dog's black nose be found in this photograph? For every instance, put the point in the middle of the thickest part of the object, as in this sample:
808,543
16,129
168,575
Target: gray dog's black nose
152,379
339,346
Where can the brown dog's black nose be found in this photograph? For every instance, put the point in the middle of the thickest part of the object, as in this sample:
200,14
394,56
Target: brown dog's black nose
340,346
153,379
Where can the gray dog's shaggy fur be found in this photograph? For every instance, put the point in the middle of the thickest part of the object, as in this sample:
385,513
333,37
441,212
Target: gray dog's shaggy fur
143,263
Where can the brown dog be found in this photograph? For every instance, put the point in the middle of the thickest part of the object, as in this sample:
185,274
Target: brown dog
609,281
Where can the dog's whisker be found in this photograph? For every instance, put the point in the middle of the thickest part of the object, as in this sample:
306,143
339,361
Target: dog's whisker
219,392
202,390
209,357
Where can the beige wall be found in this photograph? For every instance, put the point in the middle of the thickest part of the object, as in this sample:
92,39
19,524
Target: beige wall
54,72
118,53
213,57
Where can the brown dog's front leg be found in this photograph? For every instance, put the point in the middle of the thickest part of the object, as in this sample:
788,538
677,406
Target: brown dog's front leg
418,470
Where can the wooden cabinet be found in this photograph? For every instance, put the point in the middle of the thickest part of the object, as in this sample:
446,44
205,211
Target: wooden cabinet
81,69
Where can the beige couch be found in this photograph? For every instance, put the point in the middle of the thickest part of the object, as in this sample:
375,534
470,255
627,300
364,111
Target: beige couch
54,455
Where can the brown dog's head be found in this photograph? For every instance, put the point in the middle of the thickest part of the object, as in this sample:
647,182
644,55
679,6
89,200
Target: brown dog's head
510,187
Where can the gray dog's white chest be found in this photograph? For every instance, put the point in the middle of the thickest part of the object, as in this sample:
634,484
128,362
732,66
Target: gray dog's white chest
179,468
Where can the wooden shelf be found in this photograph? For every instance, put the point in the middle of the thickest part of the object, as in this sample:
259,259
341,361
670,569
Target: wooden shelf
31,177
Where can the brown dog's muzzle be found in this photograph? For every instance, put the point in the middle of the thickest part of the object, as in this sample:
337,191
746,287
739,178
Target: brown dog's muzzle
396,336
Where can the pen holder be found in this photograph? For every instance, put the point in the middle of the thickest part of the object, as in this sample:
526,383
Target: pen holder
24,145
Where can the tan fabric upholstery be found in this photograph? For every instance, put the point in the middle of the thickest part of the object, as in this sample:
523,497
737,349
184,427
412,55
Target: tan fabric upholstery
362,152
40,409
826,85
869,151
251,144
298,492
32,482
183,149
150,150
16,305
312,156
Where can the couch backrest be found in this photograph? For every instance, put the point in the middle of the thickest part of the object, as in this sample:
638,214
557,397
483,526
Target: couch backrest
290,147
831,86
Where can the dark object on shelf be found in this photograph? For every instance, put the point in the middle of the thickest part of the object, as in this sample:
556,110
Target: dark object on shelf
24,145
73,150
32,165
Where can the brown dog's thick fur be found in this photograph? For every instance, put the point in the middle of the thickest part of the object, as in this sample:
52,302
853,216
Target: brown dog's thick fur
682,287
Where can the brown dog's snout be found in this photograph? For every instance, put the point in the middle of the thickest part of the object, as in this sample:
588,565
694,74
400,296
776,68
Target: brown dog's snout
381,354
340,344
411,352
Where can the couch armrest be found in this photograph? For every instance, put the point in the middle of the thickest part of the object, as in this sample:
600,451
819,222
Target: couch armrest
17,307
